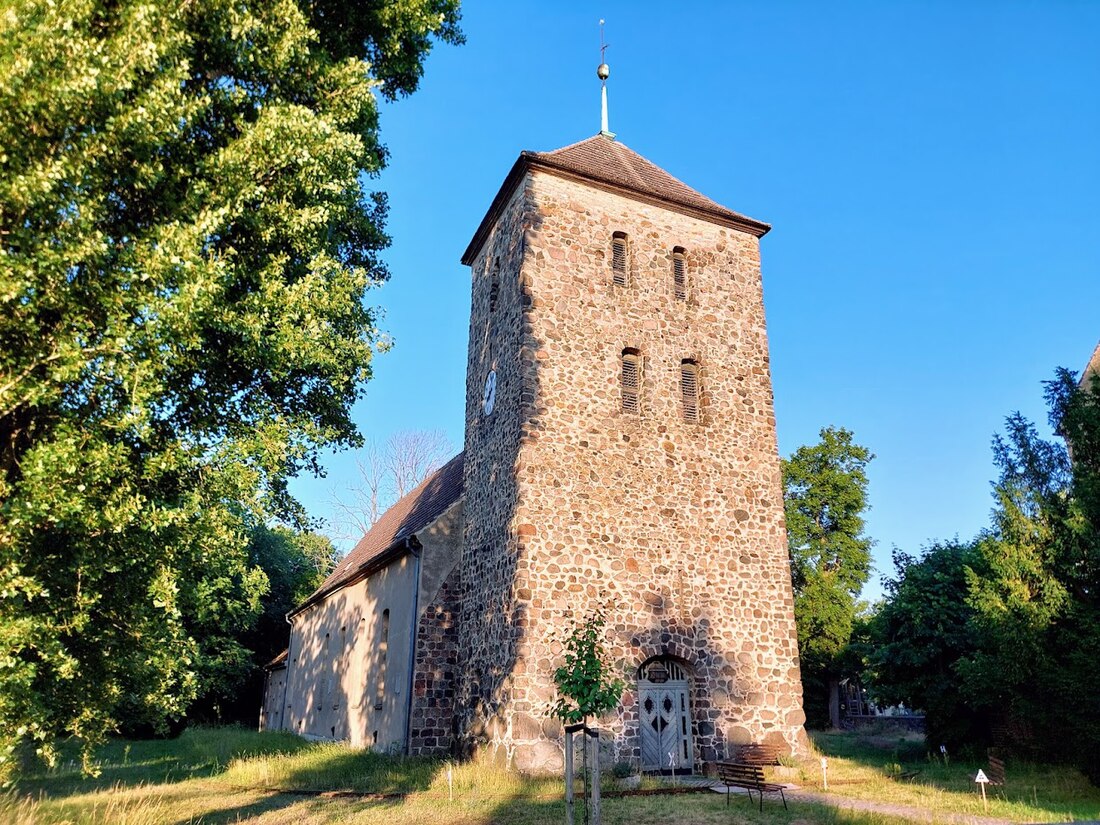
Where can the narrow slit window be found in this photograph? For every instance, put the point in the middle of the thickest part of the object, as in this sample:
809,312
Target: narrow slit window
689,390
631,379
494,285
618,258
679,274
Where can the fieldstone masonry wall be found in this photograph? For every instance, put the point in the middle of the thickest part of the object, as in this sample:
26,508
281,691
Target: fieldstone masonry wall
571,502
492,618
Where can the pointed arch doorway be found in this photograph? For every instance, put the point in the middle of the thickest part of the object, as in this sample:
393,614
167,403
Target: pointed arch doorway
664,716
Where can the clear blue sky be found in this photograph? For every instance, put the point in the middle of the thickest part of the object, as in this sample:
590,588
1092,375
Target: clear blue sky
931,171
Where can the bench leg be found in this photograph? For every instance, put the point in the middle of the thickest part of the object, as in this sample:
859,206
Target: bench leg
727,795
783,796
760,793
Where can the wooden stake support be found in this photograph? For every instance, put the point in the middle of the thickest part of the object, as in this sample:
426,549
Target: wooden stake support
590,740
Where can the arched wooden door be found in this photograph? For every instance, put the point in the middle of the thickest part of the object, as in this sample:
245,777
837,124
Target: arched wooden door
664,711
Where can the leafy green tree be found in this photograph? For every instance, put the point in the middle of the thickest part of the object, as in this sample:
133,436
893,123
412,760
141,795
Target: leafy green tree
825,497
585,685
1075,415
1015,590
920,634
965,632
1003,633
1036,611
186,240
231,682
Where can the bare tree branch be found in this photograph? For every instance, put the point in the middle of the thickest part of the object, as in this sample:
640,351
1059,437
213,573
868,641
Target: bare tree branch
412,455
385,473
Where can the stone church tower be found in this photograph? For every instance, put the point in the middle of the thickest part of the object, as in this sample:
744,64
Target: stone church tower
621,449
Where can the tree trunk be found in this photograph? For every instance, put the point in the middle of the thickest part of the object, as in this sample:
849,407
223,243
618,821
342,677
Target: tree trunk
834,703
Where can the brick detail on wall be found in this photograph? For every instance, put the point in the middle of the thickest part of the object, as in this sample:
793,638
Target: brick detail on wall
431,721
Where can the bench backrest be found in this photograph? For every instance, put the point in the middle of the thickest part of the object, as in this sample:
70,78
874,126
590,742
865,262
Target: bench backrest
738,773
758,754
996,772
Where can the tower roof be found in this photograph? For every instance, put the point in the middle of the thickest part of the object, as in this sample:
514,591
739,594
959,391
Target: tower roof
605,163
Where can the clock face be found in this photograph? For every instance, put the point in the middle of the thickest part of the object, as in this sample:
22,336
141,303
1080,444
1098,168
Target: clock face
489,397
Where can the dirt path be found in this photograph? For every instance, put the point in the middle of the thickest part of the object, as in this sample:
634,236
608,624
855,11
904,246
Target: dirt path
891,809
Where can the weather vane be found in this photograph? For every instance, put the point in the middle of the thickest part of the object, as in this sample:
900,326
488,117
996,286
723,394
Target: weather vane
603,72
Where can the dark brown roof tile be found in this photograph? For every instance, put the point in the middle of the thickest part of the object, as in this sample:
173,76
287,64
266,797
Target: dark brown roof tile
608,161
610,164
413,512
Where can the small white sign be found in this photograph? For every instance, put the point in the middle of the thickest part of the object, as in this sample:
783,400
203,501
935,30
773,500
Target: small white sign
981,777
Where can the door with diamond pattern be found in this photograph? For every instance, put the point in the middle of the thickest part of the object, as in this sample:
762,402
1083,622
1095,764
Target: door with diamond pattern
665,718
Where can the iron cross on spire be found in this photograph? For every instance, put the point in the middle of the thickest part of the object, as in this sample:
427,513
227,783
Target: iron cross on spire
603,72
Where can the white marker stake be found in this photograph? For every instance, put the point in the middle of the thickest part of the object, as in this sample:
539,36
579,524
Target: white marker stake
982,779
825,772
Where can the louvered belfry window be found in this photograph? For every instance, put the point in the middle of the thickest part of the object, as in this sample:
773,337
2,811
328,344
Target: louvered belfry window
618,258
679,274
631,379
689,390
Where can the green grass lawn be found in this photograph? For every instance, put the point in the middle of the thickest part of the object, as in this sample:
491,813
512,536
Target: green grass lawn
1033,793
224,775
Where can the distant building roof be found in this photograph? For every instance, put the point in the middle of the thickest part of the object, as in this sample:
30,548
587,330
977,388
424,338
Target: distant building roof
611,165
390,535
279,661
1093,366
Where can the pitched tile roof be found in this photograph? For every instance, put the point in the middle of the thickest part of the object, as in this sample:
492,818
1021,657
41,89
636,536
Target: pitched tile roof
602,159
278,661
609,164
412,513
1092,368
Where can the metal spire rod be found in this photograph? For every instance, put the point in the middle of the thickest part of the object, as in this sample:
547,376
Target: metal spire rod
603,72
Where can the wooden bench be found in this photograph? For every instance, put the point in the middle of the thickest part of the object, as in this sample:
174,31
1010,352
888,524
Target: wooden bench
749,777
996,772
757,754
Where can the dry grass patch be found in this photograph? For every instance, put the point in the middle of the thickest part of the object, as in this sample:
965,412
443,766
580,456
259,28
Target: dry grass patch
859,767
221,776
203,802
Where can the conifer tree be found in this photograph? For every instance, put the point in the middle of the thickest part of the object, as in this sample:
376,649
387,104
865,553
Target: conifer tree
998,638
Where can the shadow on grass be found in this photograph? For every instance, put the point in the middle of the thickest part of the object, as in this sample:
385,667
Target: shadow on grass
243,813
296,809
336,767
874,747
241,775
197,753
697,809
1032,791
